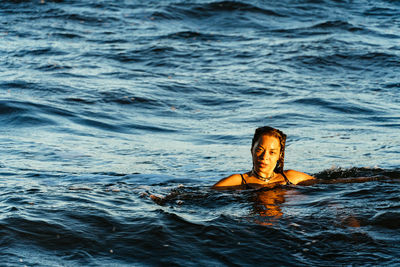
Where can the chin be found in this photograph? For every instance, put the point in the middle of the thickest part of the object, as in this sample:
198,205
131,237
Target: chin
262,170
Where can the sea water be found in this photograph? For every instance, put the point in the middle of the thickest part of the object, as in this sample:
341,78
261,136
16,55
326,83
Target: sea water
117,117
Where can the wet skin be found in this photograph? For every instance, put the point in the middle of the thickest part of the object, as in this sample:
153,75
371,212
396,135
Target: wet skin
265,154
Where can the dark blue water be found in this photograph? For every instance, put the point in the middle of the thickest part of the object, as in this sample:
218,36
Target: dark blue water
117,116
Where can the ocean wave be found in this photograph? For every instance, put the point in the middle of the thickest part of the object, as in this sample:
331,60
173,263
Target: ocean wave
19,114
40,51
381,11
392,85
347,107
214,8
156,55
335,173
195,36
346,61
25,114
388,219
324,28
121,217
229,6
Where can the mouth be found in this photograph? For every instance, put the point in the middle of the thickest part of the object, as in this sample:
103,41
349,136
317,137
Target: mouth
262,164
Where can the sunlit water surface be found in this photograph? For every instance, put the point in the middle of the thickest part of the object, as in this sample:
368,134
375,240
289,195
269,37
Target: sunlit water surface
117,117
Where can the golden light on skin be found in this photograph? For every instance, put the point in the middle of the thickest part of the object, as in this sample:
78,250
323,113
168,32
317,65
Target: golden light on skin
267,150
265,154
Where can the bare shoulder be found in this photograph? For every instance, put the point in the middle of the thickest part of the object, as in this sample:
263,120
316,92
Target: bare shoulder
233,180
297,177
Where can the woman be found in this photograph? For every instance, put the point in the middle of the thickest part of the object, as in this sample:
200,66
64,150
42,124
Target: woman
268,151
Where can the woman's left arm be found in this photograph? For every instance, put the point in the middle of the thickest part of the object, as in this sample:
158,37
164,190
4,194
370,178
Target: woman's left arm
297,177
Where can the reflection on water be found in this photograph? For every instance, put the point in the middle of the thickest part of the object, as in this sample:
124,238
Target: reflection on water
267,205
267,202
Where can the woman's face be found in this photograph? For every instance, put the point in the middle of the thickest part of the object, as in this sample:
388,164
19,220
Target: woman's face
265,154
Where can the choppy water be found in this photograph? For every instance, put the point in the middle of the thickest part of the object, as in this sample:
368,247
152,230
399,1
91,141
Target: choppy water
105,103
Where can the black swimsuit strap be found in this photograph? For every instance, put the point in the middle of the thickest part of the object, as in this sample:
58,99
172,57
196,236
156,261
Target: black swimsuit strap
286,179
243,180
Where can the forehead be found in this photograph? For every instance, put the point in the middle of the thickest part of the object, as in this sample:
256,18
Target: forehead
268,141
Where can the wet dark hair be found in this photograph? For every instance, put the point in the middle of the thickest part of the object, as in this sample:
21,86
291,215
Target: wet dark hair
266,130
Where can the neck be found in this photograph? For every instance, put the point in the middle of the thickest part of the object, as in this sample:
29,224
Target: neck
265,179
